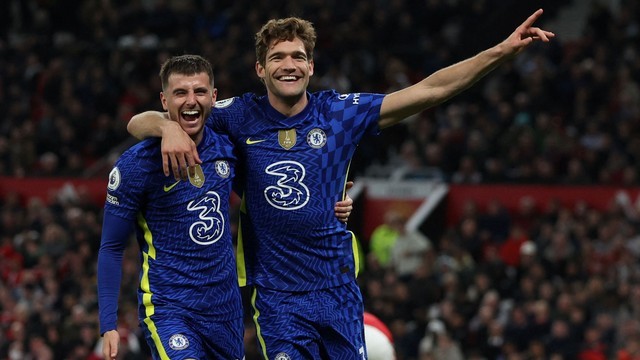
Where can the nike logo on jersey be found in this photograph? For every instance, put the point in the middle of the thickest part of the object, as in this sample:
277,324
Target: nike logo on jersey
251,142
168,188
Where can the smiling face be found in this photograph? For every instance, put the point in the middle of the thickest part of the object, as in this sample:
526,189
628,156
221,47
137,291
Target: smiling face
286,72
188,100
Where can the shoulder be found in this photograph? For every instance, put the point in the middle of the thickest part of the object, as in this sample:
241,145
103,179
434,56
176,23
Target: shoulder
216,139
142,155
233,109
230,115
325,96
339,101
143,148
236,101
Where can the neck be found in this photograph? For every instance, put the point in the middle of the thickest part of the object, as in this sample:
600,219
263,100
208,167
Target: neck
197,138
288,106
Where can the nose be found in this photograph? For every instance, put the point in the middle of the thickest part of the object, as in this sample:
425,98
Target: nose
288,63
191,98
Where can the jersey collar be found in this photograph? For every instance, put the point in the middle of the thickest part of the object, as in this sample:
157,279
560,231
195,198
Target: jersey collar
277,117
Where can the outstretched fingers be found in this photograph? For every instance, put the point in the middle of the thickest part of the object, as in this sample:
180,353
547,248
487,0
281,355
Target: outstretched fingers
538,34
526,33
532,19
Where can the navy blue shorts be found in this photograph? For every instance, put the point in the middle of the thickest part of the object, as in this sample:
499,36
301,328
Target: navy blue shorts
321,324
178,337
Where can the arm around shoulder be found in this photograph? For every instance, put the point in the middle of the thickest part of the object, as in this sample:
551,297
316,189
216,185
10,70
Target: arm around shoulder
149,124
178,149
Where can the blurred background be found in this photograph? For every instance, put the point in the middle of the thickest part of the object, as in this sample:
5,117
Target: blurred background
502,224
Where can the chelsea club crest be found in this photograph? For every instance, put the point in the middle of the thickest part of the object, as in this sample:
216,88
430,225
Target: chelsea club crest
316,138
222,168
178,342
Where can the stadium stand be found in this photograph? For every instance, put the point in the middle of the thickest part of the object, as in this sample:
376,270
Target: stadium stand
507,276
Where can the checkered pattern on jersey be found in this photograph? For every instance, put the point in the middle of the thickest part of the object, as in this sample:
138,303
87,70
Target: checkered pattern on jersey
296,168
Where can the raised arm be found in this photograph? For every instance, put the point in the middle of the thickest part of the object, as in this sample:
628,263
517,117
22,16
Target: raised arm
450,81
178,150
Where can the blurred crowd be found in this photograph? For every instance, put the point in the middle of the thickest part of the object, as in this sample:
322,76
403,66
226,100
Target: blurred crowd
549,284
71,76
543,281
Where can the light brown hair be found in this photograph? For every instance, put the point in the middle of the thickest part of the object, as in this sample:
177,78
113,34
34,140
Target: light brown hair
285,30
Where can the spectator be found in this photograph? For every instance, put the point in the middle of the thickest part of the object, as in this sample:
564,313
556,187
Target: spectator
408,251
384,237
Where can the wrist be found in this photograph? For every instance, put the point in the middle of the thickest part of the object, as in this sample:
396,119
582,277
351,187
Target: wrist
107,332
168,127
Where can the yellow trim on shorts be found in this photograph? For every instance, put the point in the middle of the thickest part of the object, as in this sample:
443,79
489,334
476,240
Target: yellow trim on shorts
256,315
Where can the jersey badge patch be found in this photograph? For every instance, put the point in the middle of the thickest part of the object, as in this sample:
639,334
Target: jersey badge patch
316,138
287,138
178,342
196,176
282,356
114,179
221,104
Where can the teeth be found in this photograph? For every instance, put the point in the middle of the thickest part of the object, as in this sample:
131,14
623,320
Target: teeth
287,78
191,112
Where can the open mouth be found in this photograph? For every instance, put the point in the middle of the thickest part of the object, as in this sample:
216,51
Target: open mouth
191,115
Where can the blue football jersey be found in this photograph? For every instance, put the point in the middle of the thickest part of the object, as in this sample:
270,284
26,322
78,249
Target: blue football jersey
182,229
294,171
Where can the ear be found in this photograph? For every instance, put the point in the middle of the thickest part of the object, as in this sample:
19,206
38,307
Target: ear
163,100
311,67
260,70
214,95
